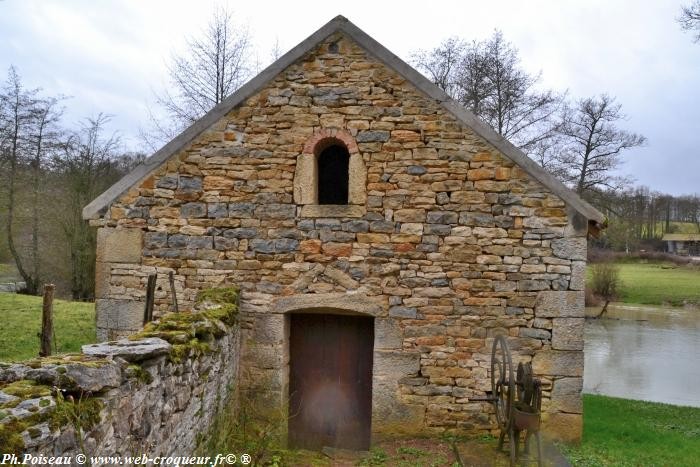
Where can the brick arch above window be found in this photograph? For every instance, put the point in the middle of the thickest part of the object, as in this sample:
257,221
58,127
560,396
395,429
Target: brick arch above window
306,172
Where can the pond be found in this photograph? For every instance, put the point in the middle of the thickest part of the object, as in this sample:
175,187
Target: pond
646,353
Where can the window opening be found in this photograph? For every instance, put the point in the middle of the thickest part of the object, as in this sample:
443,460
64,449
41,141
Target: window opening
333,176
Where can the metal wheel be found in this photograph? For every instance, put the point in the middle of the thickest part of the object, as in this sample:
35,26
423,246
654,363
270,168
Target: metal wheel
502,382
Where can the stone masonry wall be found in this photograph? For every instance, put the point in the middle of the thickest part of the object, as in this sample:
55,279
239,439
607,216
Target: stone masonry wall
451,245
131,397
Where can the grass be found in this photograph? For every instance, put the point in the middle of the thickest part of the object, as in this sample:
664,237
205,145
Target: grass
624,432
678,227
8,273
659,283
20,322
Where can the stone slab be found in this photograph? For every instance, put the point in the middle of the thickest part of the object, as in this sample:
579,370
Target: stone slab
333,210
131,351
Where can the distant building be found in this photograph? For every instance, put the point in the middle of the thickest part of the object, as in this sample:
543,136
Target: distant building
683,244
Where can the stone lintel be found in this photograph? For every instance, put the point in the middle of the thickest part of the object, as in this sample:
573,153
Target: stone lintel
348,303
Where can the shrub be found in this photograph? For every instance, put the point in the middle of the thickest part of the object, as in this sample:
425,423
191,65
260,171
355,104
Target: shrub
605,283
600,255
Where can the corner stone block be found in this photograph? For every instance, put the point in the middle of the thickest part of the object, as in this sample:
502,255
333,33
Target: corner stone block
566,395
578,275
103,273
122,316
567,333
573,248
269,329
119,245
267,357
560,303
567,427
391,417
558,363
395,364
387,334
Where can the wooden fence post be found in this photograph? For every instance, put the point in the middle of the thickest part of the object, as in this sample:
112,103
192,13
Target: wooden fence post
171,277
150,298
47,321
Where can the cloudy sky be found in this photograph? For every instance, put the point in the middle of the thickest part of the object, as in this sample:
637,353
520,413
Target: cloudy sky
110,55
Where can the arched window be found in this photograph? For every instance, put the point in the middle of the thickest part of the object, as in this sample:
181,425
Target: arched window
333,176
330,178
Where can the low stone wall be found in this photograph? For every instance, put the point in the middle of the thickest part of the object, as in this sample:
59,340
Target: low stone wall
12,287
152,393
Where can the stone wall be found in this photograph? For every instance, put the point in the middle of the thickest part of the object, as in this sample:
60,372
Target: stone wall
135,396
450,244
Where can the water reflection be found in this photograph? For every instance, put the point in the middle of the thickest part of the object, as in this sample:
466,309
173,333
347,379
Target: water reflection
644,352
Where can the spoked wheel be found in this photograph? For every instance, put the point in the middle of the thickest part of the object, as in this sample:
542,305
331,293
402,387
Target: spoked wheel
502,383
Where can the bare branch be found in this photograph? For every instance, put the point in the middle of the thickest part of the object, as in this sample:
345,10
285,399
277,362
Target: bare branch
215,65
690,19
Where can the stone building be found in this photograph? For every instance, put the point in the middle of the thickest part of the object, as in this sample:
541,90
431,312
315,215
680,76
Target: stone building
381,236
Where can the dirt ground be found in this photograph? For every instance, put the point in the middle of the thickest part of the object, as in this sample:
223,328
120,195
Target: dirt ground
426,452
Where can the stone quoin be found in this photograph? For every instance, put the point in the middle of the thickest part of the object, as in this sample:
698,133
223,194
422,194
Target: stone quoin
449,236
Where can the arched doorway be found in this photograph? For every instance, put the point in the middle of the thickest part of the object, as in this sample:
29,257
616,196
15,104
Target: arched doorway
330,380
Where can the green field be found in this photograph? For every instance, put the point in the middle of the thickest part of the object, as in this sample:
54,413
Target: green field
623,432
8,273
659,283
20,322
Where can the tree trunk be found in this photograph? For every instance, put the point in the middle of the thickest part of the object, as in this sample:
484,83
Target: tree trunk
47,321
35,207
30,285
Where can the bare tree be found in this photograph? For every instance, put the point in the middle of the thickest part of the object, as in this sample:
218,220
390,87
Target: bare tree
86,167
276,52
215,65
690,19
442,64
17,109
44,137
593,144
487,78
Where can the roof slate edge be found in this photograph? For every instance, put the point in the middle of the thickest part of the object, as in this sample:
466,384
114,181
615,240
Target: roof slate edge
100,204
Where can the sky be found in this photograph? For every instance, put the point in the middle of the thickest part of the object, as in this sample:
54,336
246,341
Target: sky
110,56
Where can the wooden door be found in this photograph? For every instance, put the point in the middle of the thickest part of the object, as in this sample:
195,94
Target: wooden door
330,381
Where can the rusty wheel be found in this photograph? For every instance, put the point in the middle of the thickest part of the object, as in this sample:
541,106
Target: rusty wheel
502,382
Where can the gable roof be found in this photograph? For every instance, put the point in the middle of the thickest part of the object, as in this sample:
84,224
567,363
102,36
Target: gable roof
341,24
